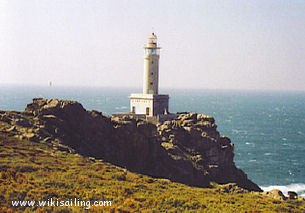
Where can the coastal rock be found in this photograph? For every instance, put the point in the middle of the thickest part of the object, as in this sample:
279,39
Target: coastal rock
276,194
292,195
186,149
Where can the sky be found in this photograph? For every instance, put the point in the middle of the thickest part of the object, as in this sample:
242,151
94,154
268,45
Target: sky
249,44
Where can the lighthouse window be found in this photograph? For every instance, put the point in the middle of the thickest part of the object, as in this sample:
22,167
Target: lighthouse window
151,83
152,73
152,62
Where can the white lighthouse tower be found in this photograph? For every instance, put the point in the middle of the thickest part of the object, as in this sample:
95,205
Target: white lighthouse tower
150,103
151,66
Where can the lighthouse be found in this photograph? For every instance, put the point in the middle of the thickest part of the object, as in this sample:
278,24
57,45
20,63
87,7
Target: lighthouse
151,66
150,102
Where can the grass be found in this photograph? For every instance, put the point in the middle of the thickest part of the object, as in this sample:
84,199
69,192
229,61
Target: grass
36,171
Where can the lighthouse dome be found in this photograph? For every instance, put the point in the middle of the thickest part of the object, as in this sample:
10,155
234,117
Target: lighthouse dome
152,40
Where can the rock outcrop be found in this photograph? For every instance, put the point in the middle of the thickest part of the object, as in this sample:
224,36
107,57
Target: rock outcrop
186,149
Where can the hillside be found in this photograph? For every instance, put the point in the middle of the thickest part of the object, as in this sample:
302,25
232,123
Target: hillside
58,150
39,171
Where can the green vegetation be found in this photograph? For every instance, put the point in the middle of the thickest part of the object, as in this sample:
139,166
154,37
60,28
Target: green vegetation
37,171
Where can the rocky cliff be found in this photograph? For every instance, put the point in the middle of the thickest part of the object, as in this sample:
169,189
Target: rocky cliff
187,149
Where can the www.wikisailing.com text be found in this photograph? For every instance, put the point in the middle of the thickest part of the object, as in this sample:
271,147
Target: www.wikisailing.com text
61,203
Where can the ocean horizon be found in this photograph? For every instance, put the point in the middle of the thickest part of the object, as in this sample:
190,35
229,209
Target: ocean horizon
267,127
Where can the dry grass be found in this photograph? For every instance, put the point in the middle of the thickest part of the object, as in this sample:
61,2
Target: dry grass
35,171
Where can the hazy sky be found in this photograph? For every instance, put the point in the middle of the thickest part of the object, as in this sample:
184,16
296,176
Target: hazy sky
205,44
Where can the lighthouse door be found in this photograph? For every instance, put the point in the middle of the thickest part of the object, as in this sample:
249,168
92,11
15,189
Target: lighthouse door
147,110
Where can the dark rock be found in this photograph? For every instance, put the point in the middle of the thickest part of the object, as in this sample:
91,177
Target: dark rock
22,122
6,118
186,149
292,195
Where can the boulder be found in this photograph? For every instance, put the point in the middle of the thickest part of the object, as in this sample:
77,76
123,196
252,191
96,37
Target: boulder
292,195
275,194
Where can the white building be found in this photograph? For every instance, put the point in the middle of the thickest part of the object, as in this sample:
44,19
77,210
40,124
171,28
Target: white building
150,103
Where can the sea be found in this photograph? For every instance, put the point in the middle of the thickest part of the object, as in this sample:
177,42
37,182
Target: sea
267,127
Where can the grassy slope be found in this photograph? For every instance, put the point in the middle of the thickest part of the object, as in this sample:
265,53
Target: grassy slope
36,171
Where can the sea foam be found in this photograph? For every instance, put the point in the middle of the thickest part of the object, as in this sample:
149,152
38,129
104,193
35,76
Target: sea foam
296,187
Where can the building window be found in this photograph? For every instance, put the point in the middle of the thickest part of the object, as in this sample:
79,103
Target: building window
133,109
151,83
152,73
147,110
152,62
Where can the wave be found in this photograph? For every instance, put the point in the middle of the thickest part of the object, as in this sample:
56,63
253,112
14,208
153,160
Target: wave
267,153
299,188
248,143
